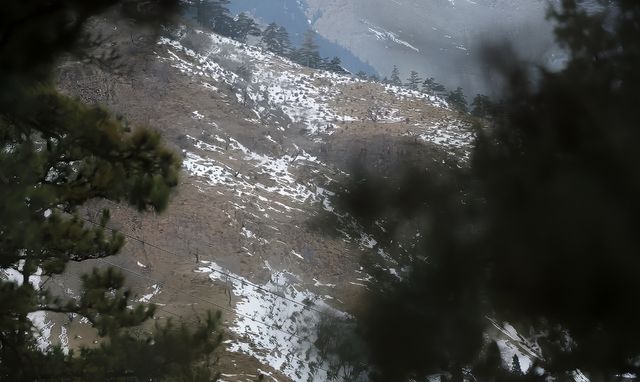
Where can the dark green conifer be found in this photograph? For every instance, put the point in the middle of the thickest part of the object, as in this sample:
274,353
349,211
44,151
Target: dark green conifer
515,365
395,77
214,15
282,38
56,154
243,27
335,65
275,38
414,80
457,100
431,86
308,54
483,107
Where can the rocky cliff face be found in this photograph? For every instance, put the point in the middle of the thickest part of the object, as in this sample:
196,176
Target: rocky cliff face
253,229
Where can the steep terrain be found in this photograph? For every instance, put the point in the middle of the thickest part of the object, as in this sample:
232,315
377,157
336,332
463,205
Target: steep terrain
252,229
437,38
297,18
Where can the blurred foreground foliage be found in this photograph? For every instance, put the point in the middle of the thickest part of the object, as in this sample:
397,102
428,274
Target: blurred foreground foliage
56,154
540,230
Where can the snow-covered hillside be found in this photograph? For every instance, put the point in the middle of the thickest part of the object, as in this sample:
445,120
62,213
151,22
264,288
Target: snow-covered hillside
302,95
276,185
265,144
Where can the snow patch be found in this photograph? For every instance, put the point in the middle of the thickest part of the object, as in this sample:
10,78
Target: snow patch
155,289
274,326
383,34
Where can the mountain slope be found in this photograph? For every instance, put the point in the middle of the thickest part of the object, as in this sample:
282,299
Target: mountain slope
265,145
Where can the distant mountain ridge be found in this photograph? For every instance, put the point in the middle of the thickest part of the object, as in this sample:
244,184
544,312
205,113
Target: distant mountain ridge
295,16
437,38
